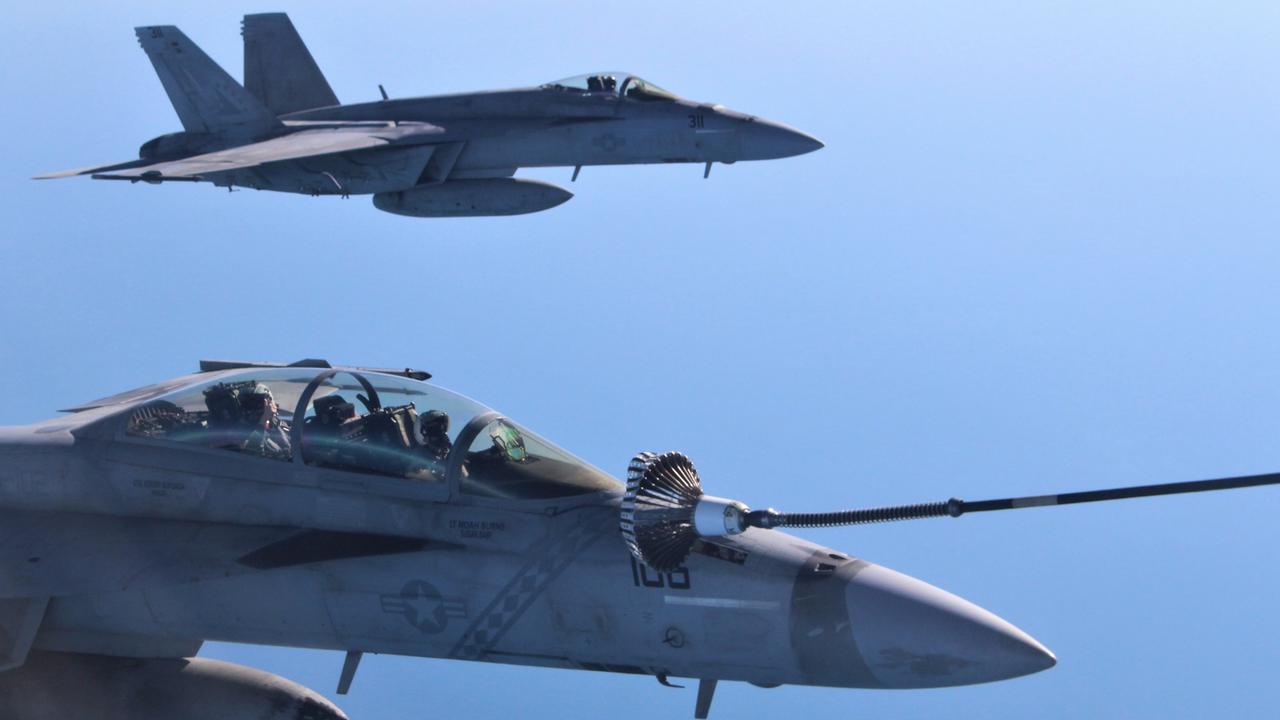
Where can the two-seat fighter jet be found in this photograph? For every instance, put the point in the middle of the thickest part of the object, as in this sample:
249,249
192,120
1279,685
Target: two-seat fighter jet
365,510
438,156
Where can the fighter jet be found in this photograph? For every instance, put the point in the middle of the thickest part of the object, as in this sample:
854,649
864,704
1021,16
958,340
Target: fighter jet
365,510
436,156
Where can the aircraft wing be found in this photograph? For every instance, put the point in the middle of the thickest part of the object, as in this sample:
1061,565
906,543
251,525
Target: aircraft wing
91,169
297,146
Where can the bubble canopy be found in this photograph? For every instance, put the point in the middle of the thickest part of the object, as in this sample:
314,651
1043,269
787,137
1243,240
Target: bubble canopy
366,422
619,84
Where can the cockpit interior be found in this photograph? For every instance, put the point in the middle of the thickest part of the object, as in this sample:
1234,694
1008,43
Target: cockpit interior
370,423
619,84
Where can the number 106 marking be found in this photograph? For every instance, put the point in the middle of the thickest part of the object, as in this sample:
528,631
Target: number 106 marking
644,576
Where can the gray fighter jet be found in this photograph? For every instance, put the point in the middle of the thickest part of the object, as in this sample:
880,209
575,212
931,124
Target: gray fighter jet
369,511
439,156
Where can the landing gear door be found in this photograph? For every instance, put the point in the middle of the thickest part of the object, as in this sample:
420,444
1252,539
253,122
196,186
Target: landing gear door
19,620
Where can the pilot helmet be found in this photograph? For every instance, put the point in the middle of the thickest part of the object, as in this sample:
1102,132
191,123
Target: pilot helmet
236,403
255,399
434,422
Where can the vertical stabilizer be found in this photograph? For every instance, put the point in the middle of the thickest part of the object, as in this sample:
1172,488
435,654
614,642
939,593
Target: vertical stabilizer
205,97
278,69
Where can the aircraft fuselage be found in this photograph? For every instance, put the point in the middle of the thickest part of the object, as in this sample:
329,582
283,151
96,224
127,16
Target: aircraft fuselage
149,550
540,127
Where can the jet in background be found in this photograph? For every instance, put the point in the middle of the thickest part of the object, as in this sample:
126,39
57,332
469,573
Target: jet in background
434,156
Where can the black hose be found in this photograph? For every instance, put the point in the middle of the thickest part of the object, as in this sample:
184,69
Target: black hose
956,507
771,518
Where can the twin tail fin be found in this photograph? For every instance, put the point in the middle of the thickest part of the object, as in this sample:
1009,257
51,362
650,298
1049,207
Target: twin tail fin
278,69
205,97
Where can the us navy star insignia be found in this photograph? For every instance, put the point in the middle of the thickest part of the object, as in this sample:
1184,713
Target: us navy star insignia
609,142
423,607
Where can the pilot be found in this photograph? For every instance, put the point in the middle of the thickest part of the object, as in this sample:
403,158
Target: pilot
270,435
594,84
435,434
244,416
610,83
434,447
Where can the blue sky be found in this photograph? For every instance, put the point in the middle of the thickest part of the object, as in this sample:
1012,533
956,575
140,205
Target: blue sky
1038,254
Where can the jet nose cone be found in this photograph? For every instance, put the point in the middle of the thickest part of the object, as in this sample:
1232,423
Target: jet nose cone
913,635
768,140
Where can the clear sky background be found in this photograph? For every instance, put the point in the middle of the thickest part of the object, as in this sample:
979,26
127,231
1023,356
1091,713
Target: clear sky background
1039,253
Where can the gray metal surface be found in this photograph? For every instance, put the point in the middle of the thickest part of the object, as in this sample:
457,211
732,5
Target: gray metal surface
129,544
439,156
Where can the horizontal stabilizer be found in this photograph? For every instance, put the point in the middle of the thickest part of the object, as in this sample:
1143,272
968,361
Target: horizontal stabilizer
205,97
278,69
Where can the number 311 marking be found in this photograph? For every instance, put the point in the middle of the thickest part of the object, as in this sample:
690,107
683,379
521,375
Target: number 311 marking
697,120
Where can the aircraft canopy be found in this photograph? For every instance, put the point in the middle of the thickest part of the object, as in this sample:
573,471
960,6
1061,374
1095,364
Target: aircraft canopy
366,422
620,84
